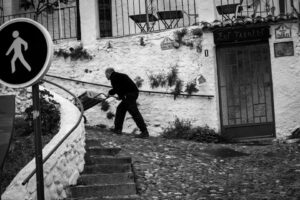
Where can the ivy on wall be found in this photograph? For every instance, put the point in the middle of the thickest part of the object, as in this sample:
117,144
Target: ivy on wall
171,79
77,53
192,38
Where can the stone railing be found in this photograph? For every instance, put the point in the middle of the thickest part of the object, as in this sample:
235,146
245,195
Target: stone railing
62,168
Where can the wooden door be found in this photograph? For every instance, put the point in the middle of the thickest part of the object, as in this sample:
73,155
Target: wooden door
105,19
245,90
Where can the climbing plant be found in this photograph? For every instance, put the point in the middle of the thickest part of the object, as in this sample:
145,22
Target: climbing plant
74,53
172,76
178,88
138,81
191,87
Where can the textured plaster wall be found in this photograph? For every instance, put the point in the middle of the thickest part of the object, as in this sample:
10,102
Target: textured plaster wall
88,21
12,7
128,56
206,10
63,167
7,7
286,84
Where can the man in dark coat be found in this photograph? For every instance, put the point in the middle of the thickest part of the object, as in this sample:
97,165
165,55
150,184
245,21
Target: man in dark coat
128,93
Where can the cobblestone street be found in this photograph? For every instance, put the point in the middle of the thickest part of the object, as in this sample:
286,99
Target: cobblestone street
177,169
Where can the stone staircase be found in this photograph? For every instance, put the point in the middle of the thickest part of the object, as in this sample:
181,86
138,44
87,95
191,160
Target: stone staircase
106,175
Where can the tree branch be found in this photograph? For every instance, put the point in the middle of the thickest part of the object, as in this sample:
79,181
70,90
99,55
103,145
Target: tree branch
46,5
40,5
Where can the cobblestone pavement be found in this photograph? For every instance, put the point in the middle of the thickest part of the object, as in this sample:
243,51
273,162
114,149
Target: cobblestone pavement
177,169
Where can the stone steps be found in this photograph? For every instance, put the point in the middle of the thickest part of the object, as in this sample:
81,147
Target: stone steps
92,142
113,178
102,151
123,197
107,168
82,191
92,160
106,175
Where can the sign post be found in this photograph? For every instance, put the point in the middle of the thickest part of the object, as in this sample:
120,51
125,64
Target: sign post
26,52
38,142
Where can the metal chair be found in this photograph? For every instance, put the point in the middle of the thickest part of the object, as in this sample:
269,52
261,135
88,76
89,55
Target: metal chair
169,18
142,21
230,11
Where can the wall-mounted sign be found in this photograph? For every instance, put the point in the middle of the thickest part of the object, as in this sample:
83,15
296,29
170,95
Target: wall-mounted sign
239,35
206,53
166,44
25,53
284,49
283,31
201,79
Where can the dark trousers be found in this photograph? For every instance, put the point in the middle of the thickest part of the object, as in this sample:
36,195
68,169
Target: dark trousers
129,104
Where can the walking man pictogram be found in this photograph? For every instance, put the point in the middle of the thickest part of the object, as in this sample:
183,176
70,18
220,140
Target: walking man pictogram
17,47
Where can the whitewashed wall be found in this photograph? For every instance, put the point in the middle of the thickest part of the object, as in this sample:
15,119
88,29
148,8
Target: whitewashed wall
286,84
7,7
63,167
206,10
89,21
128,56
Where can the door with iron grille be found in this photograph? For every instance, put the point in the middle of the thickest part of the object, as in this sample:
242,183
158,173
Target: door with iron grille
245,90
105,19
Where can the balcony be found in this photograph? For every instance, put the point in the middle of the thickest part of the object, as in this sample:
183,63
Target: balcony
255,10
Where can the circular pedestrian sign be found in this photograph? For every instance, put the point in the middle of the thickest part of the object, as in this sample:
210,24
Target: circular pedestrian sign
25,54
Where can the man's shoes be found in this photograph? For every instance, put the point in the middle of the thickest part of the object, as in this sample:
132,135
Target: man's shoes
143,135
116,131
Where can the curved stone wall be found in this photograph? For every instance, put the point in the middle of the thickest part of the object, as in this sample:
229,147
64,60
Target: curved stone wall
62,168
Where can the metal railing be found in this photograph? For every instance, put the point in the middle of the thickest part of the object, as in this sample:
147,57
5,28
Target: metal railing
254,9
128,17
61,23
141,91
78,102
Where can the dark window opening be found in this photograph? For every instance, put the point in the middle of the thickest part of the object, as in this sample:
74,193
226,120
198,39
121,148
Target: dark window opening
105,18
282,6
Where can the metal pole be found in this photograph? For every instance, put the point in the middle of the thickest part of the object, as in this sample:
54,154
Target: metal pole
78,20
0,184
298,17
60,23
147,15
38,142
